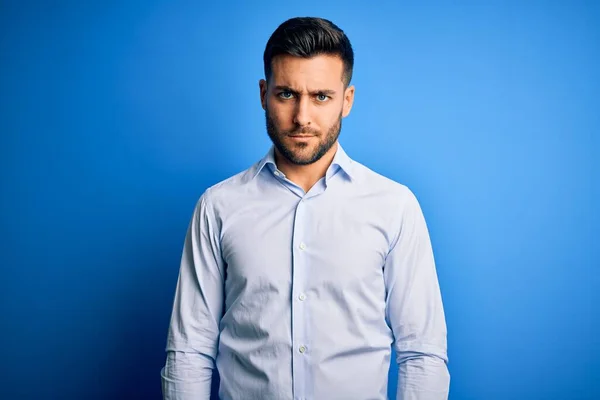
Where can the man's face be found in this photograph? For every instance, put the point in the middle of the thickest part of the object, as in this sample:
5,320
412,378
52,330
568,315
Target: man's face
304,102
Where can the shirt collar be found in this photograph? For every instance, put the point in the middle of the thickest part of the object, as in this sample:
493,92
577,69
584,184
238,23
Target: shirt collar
269,158
341,160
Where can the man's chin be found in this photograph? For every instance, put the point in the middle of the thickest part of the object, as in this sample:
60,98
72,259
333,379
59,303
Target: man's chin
298,159
304,156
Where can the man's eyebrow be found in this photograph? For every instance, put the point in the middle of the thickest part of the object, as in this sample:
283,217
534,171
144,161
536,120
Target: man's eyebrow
314,92
285,88
328,92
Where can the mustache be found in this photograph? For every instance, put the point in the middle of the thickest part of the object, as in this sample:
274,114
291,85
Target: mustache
302,131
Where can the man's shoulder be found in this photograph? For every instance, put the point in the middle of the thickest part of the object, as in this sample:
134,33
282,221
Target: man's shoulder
378,182
389,196
230,187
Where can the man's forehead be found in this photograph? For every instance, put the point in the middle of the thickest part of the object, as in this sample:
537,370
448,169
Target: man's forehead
318,70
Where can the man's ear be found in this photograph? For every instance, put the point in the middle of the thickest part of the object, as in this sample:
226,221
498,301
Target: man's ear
348,100
262,84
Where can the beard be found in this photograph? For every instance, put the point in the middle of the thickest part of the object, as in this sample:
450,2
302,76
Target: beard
294,153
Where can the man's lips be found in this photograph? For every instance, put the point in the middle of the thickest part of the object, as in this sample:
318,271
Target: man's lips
301,138
301,135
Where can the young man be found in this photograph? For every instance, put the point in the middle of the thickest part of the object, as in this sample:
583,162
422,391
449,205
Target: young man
299,273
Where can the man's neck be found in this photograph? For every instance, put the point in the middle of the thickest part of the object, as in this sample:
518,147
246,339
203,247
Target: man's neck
305,176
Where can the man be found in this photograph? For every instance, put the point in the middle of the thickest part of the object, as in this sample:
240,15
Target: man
299,273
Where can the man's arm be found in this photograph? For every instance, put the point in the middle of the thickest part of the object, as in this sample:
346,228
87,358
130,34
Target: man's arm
194,328
415,311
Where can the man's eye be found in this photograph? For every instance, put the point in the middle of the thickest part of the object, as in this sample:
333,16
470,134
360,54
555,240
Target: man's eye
322,97
286,95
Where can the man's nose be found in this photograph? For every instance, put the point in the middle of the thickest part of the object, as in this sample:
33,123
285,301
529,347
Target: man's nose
302,111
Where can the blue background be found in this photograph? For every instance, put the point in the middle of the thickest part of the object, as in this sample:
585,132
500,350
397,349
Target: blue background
115,117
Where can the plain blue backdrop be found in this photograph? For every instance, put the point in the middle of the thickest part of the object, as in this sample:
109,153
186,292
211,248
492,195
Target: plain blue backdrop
116,116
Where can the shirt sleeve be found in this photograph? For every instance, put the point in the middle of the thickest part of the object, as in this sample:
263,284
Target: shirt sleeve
414,310
193,334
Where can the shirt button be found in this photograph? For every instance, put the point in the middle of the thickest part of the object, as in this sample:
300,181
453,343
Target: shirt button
302,246
302,297
302,349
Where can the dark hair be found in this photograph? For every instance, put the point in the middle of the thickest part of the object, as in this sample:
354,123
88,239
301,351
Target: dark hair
308,37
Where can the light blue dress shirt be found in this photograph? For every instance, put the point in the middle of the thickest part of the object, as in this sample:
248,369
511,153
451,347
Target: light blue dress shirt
295,295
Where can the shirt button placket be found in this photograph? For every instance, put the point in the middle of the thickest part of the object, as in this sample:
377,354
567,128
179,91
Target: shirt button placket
299,310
